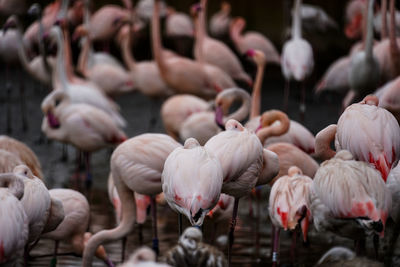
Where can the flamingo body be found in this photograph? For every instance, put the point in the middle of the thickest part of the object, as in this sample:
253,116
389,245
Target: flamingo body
297,66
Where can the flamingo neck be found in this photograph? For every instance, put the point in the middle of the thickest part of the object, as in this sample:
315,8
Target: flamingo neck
60,72
84,57
244,109
42,49
127,54
235,33
296,27
323,142
274,129
156,39
370,29
384,33
23,57
256,95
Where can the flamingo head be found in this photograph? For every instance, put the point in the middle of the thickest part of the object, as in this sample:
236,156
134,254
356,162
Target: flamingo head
195,9
238,24
353,28
100,251
370,100
234,125
222,103
79,32
24,171
35,10
225,7
257,55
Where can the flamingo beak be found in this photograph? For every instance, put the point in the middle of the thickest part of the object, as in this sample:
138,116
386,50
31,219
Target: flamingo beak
219,115
250,53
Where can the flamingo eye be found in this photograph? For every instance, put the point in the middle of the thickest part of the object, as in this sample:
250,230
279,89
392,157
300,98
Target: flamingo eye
58,101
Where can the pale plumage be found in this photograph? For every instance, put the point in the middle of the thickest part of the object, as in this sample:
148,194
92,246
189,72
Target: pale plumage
288,201
8,161
389,97
136,166
219,22
192,181
23,152
347,189
335,77
178,24
201,126
13,219
143,257
393,183
76,222
84,126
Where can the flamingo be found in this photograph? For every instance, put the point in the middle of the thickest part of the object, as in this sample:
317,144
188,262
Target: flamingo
13,219
339,256
354,18
192,181
181,74
288,154
387,52
335,77
86,127
315,19
215,52
244,162
75,224
288,206
134,172
202,125
178,24
252,40
378,143
349,198
389,97
80,91
364,71
296,66
8,161
219,22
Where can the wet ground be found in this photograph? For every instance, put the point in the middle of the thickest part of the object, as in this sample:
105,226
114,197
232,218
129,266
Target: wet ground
137,110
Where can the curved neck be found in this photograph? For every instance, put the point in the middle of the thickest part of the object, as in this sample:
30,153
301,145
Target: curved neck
235,33
394,49
256,95
296,25
244,109
14,184
60,72
156,39
126,53
323,142
274,129
370,29
383,19
126,225
67,57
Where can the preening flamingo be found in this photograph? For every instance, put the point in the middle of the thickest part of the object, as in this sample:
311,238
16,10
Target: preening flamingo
181,74
288,206
75,224
219,22
23,152
215,52
295,65
13,219
377,142
349,198
364,74
192,181
244,162
136,166
252,40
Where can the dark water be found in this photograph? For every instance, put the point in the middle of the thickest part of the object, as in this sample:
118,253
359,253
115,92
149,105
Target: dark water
137,110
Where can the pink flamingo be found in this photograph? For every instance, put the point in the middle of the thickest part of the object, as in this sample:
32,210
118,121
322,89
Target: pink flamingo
178,24
389,97
143,256
8,161
252,40
86,127
139,172
288,207
192,181
14,221
215,52
75,224
244,162
297,66
219,22
378,143
349,197
364,69
335,77
354,18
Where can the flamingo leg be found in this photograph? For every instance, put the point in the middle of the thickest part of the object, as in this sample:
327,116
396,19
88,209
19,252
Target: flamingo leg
140,233
293,246
302,107
154,215
258,201
88,181
76,175
53,262
8,101
23,107
124,239
286,96
275,246
64,154
232,230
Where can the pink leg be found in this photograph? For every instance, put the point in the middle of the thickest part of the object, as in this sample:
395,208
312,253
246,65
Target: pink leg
293,246
232,230
154,214
275,246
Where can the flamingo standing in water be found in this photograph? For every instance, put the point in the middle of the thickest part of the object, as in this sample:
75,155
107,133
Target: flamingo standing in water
215,52
377,143
295,65
252,40
192,181
13,220
75,224
136,166
244,162
349,198
288,206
